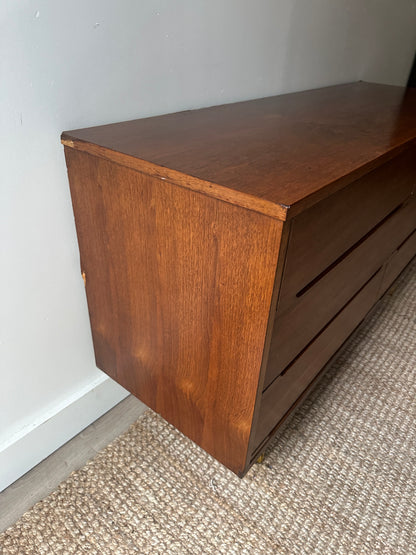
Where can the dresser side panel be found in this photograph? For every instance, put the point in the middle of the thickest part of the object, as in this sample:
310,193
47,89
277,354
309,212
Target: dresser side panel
179,288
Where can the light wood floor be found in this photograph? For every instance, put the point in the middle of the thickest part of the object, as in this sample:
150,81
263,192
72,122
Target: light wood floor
47,475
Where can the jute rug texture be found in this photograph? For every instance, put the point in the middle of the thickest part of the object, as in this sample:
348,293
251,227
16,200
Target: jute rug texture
339,479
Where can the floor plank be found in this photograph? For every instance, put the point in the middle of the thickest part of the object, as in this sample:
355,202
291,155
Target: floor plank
47,475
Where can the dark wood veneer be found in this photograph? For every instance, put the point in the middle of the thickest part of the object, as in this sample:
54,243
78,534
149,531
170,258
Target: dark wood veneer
280,153
228,252
307,314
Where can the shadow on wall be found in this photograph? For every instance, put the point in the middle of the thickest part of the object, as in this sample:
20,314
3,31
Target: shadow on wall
328,44
412,77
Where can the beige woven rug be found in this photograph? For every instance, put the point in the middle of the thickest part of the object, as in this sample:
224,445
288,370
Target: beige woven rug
341,478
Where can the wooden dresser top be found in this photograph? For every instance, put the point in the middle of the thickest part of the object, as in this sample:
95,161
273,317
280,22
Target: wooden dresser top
276,155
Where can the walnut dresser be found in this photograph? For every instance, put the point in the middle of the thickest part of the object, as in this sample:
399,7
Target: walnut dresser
229,252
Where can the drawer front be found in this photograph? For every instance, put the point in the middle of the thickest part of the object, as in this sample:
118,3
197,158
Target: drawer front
327,231
399,260
279,398
313,308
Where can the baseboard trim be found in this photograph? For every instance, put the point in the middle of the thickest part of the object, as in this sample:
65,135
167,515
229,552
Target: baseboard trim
37,441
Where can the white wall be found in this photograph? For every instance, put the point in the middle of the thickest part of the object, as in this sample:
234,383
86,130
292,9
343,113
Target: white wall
73,64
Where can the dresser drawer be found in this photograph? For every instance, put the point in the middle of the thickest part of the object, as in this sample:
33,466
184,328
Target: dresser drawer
282,394
399,259
228,252
314,307
323,235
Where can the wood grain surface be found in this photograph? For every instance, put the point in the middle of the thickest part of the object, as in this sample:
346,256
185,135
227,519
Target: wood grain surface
325,233
228,252
278,399
275,154
179,288
310,312
399,259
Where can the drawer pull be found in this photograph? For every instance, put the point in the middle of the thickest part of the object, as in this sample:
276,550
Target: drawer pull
348,251
291,363
405,240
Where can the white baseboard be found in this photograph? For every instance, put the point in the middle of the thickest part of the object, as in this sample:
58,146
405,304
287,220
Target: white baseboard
34,443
